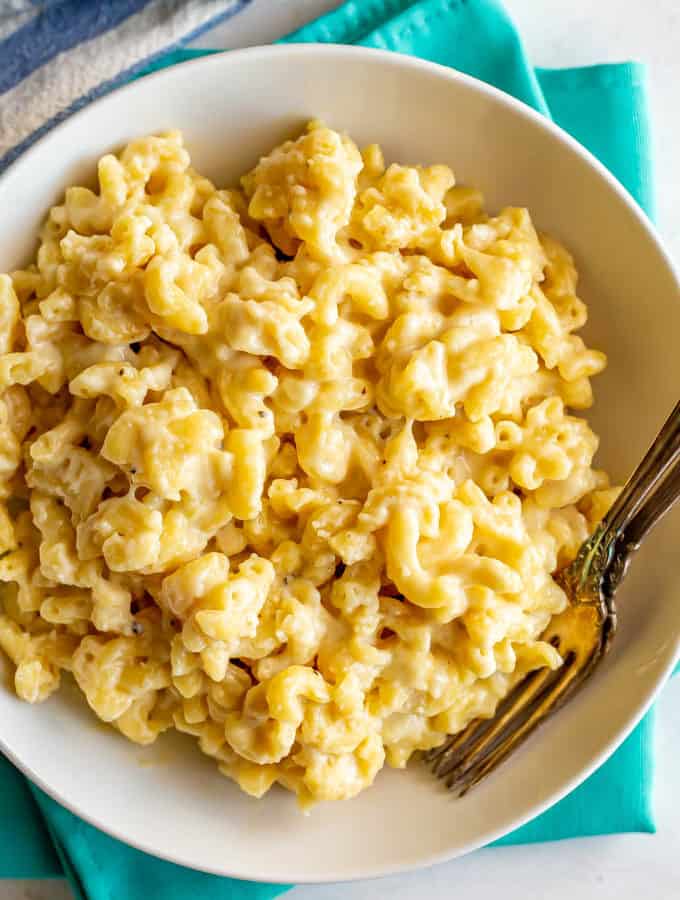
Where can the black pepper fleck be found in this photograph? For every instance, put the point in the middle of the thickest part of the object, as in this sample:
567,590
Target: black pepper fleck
280,255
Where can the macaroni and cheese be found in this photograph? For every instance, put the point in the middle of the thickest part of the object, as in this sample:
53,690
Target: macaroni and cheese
289,467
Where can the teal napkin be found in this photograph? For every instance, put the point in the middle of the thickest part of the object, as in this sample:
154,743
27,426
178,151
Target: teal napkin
604,107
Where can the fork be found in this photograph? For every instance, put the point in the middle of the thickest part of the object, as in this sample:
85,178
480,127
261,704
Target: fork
583,632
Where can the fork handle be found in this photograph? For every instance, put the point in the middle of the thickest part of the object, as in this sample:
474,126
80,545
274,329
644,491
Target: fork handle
650,514
585,574
655,465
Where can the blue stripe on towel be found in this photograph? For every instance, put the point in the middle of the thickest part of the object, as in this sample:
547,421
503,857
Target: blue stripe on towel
118,81
59,27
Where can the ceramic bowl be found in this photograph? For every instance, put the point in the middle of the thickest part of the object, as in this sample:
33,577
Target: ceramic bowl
169,799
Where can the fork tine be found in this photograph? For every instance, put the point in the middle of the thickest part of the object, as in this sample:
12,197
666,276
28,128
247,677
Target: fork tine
533,685
456,745
446,755
453,745
570,676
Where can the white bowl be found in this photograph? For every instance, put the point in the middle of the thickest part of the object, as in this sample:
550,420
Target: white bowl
169,799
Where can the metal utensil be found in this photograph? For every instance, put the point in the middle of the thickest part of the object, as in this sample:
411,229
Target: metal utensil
584,631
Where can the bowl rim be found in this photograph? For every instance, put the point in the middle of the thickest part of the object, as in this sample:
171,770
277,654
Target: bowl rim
350,53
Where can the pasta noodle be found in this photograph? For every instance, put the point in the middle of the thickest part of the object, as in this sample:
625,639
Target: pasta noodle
290,466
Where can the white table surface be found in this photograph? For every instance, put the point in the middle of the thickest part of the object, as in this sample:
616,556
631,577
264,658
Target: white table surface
622,867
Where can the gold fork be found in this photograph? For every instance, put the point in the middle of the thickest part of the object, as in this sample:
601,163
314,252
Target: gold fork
584,631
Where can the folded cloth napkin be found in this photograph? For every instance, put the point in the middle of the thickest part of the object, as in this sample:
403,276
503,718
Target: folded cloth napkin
57,55
605,107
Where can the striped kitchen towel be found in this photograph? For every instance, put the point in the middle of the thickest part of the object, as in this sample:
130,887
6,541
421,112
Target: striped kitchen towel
57,55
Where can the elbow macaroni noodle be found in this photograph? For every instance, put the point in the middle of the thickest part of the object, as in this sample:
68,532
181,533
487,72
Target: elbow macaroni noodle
289,467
